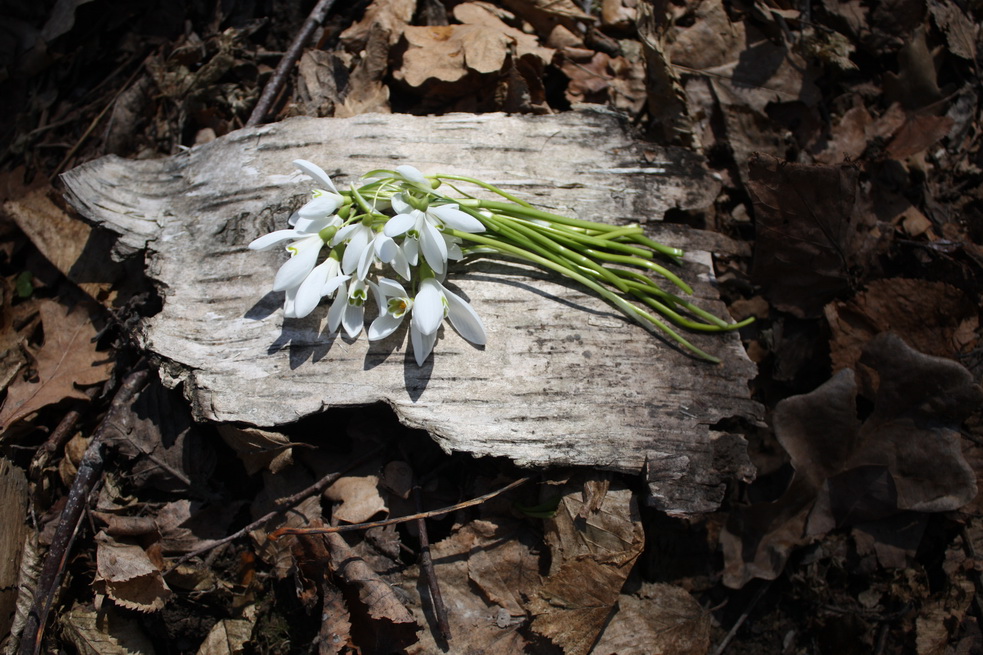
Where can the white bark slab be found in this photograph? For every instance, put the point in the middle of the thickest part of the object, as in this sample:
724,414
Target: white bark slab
564,379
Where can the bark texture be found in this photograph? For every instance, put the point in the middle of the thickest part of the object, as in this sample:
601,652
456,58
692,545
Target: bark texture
564,379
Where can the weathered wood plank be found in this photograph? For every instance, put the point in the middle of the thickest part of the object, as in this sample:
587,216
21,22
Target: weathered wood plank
564,379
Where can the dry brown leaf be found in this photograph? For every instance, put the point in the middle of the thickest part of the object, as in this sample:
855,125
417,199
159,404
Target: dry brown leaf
935,318
227,637
125,574
165,449
304,514
917,134
67,360
358,497
258,449
106,632
849,137
380,609
546,14
905,456
812,234
658,618
960,31
592,557
386,16
187,525
64,239
486,571
916,83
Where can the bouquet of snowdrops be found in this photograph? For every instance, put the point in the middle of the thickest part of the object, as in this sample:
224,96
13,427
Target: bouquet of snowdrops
347,245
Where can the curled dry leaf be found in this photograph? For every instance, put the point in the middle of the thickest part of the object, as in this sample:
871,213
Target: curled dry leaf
592,557
905,456
68,359
126,574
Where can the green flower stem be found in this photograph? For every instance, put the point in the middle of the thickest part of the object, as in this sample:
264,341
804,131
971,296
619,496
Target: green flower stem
531,212
580,237
568,254
639,315
484,185
644,285
630,230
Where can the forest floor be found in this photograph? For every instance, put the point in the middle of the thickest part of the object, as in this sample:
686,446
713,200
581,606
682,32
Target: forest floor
847,138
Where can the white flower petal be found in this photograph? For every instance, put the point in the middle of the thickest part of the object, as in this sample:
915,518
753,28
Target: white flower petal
334,283
309,292
323,205
464,319
365,261
413,176
385,248
400,224
345,233
293,272
391,288
428,307
399,205
268,241
351,320
434,248
411,248
338,309
316,172
453,249
453,217
422,345
401,265
353,250
383,326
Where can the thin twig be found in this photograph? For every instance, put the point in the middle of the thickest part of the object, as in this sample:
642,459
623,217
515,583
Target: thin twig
740,621
276,534
426,566
288,504
279,78
63,431
89,471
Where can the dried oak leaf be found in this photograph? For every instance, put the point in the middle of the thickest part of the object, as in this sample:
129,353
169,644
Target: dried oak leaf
592,557
814,238
905,456
126,574
67,360
935,318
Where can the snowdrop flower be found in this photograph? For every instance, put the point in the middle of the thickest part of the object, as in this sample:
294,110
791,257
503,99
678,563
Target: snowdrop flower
322,282
424,226
394,304
305,246
432,304
363,247
348,309
325,201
